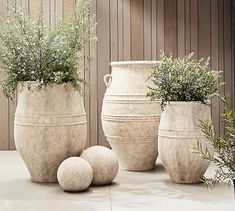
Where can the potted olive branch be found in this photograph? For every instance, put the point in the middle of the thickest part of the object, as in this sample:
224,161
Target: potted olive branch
224,147
42,64
185,88
32,51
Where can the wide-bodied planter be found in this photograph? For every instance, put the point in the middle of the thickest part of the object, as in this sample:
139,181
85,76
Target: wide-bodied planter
50,126
178,132
130,120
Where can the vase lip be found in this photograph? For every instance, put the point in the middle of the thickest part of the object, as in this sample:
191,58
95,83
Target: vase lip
36,82
186,102
121,63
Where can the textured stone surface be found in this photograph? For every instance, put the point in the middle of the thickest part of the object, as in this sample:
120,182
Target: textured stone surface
178,131
103,162
50,126
130,120
74,174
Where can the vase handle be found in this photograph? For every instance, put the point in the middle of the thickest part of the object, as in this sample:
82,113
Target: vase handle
108,80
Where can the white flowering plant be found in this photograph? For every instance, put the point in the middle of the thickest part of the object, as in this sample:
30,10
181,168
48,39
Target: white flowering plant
31,51
183,79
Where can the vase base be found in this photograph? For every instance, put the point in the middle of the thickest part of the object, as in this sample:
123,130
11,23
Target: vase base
130,167
186,181
44,181
137,169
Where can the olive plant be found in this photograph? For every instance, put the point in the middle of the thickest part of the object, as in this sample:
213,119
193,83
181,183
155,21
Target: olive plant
30,50
183,79
224,148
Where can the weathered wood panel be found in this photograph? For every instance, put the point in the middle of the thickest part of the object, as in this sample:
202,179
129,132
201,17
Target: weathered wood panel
215,59
137,29
103,58
170,25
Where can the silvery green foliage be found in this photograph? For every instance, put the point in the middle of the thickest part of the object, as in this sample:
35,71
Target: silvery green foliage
30,50
183,80
224,147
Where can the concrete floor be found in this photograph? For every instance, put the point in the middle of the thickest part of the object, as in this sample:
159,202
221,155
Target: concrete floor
134,191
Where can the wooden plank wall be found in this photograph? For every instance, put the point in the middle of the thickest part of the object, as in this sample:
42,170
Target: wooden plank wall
139,30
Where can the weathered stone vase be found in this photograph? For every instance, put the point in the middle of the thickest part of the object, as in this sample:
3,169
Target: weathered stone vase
178,132
50,126
130,120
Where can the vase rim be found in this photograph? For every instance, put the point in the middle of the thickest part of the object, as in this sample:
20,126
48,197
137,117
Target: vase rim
120,63
36,82
186,102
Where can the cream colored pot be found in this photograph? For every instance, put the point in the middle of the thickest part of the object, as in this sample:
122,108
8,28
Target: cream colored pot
130,120
178,131
50,126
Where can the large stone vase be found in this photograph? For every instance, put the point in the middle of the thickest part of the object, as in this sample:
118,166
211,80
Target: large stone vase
178,132
50,126
130,120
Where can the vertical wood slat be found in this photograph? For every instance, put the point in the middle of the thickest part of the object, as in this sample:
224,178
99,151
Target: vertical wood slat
114,30
194,28
228,49
203,29
147,29
3,8
154,30
86,77
58,10
93,85
4,123
34,6
68,6
170,16
11,117
214,60
187,26
181,28
46,11
127,29
160,27
221,54
103,58
120,30
137,30
87,93
52,12
204,33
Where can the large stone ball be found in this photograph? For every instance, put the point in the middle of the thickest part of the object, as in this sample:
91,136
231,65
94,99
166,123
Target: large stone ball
103,162
74,174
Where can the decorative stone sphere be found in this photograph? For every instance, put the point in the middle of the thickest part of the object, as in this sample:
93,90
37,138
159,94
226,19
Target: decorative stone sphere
103,162
74,174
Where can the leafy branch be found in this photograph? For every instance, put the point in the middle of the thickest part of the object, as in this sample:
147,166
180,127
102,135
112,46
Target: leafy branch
32,51
183,79
224,148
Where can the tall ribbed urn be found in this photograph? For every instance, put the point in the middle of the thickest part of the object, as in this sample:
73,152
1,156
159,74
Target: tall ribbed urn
130,120
50,126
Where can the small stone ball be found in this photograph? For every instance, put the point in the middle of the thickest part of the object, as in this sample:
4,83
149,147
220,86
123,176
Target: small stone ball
103,162
74,174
